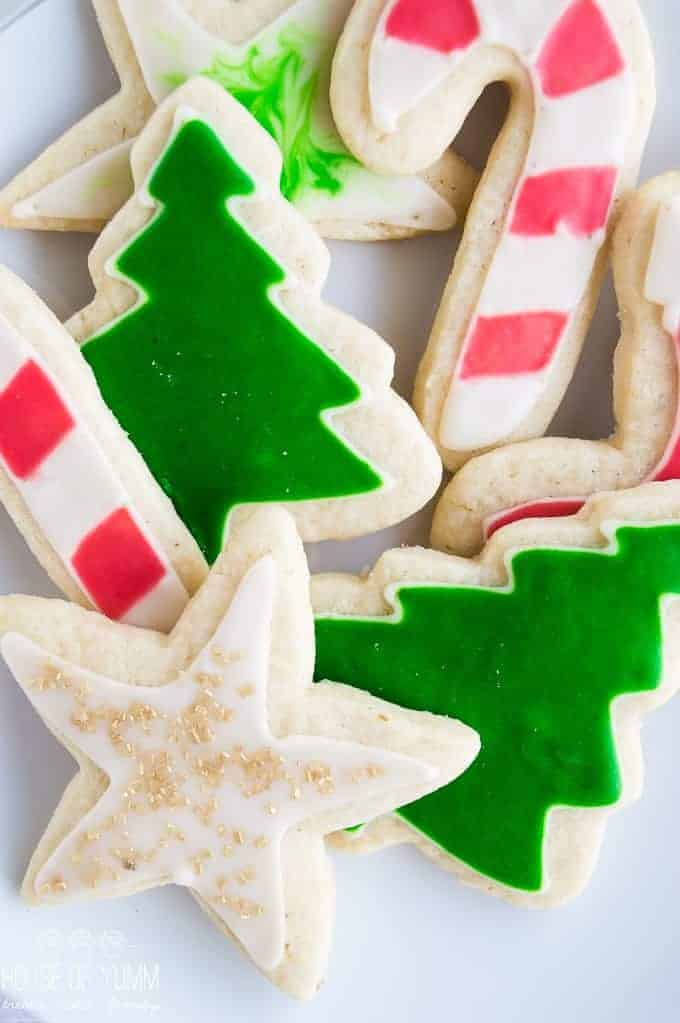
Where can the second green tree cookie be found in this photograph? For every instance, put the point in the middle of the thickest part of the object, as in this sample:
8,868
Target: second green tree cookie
551,647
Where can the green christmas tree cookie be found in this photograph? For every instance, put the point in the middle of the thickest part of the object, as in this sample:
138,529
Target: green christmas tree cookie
536,666
234,382
219,390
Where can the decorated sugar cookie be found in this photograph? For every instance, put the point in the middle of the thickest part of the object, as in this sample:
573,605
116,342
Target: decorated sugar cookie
554,476
230,382
75,486
551,647
208,760
527,274
275,58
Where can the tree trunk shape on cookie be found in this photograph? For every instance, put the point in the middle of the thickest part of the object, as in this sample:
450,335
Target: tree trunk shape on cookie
223,395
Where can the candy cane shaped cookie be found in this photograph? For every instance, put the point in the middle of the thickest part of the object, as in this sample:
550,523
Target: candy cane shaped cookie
526,277
553,476
73,483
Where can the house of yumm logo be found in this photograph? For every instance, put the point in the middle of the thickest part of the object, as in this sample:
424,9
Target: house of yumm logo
81,971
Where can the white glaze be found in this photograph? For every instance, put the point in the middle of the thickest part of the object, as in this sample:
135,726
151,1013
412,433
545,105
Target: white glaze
94,190
662,284
231,674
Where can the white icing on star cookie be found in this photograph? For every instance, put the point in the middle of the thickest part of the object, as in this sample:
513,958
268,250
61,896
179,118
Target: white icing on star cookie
221,767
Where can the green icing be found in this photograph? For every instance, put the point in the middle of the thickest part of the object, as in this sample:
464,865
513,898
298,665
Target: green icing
534,668
221,393
281,90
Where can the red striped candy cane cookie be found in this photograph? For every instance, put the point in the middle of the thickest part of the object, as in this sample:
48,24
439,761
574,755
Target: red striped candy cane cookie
554,476
522,292
73,483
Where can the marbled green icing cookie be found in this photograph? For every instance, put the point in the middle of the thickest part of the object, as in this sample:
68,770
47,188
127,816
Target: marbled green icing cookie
280,70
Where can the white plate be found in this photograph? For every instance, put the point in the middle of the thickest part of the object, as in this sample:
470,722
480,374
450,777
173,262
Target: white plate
410,943
10,10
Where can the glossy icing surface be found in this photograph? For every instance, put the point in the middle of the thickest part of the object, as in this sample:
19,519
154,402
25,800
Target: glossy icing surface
224,396
534,668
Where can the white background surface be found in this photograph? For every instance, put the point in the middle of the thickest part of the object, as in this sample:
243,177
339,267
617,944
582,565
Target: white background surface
410,942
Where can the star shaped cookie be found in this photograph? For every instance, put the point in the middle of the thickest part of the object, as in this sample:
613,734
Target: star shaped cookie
208,759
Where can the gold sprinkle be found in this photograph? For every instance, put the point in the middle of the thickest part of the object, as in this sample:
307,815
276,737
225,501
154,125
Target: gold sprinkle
245,876
239,838
261,770
205,811
245,691
370,771
321,776
53,887
194,724
157,783
208,680
211,769
242,907
51,678
225,656
199,860
128,857
260,842
85,720
271,809
175,833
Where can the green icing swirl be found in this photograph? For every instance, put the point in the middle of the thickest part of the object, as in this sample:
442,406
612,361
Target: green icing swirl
282,92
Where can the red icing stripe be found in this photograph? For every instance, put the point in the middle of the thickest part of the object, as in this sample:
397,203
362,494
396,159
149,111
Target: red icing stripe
509,345
117,565
33,420
579,199
579,52
440,25
539,510
670,468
